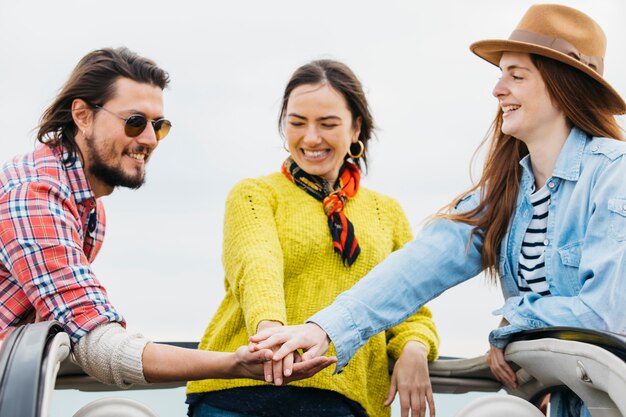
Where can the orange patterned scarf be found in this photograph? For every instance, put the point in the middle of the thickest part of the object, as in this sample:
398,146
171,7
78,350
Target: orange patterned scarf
333,199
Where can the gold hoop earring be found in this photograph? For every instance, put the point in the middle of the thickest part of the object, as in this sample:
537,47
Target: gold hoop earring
359,153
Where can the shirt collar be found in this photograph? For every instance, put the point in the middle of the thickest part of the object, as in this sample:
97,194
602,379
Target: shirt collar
569,160
81,190
571,156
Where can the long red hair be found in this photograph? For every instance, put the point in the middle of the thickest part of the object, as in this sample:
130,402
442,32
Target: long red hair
586,106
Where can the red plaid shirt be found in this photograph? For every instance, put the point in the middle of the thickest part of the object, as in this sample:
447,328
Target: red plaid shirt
51,229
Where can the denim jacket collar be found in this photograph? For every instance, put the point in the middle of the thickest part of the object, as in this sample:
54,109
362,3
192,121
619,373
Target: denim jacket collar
571,156
568,163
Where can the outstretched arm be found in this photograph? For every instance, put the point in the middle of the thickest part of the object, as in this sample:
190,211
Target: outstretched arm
115,356
439,258
170,363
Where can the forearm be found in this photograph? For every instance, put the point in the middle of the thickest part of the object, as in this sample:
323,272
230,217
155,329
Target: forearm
394,290
162,363
252,257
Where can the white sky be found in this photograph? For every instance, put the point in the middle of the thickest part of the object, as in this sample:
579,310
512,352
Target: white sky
229,62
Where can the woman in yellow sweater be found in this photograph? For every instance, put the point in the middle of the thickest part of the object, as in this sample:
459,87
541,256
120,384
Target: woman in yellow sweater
295,239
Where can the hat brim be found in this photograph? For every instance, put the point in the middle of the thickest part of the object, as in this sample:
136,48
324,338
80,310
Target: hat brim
491,51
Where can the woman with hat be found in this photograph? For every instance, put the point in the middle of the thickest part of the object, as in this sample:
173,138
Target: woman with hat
548,216
295,239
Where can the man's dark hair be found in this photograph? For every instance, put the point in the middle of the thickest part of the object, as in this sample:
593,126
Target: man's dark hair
92,81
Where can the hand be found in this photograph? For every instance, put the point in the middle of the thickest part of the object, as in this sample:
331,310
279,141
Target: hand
274,369
251,365
500,367
309,337
411,380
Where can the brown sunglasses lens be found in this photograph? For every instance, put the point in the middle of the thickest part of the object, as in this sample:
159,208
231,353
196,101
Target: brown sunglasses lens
161,128
137,123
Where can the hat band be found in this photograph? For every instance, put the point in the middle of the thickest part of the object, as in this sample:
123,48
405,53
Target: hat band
560,45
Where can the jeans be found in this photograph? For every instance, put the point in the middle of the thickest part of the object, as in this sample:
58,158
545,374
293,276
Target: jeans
205,410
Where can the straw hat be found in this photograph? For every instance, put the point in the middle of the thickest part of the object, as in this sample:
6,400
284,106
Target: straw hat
561,33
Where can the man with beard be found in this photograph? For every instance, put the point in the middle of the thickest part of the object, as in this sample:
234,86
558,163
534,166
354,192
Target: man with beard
97,135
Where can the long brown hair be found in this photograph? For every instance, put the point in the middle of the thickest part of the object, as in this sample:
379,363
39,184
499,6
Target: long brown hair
341,78
585,105
92,80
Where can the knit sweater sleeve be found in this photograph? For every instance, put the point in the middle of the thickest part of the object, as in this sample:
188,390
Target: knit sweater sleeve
252,257
419,327
112,355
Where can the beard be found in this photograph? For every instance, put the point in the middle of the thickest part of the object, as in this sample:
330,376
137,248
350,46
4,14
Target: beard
111,175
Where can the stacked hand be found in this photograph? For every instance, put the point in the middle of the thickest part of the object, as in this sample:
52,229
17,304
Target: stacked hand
410,375
284,341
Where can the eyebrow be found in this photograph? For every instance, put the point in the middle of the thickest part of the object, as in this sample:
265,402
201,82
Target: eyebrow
514,67
133,112
323,118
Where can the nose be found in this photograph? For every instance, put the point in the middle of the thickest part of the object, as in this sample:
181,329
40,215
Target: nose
311,136
148,137
500,89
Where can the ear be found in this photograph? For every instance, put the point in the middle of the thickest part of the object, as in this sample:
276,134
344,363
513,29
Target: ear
82,114
357,129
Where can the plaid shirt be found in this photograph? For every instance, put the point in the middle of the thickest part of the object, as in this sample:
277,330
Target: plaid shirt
51,229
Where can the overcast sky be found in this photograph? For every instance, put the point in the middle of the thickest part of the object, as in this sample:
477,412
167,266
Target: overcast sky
229,62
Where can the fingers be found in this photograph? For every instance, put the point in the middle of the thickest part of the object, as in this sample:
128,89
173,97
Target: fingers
269,342
431,402
316,350
267,371
263,355
418,404
309,368
286,349
405,403
277,369
500,367
288,364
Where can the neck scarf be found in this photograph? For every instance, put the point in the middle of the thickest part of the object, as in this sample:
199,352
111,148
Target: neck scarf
333,200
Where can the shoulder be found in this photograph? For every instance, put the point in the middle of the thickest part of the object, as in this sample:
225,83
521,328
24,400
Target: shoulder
40,169
264,184
269,187
383,200
387,207
609,148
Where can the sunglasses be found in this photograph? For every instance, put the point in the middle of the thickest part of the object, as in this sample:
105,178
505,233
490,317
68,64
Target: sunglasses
136,123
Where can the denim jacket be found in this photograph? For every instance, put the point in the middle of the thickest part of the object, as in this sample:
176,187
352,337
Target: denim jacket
585,257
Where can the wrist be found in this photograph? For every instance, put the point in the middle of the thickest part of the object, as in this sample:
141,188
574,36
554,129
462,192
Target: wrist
415,347
266,324
234,366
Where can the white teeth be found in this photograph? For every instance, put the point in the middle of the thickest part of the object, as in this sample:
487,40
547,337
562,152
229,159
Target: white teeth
138,156
314,154
508,109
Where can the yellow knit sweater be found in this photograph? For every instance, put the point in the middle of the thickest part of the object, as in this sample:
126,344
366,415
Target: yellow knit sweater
280,265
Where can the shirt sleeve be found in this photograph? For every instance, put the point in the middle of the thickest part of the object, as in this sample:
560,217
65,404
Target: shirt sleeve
440,257
42,249
599,299
253,258
420,326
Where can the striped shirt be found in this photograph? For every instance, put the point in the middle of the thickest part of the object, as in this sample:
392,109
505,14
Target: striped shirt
51,229
531,276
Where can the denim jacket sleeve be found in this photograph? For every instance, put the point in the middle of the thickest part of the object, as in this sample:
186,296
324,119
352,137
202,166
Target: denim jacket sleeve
599,297
437,259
